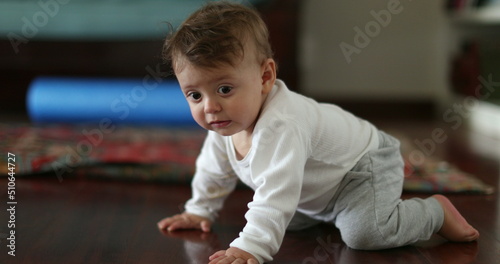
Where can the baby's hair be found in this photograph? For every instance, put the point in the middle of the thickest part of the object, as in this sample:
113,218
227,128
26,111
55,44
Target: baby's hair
216,34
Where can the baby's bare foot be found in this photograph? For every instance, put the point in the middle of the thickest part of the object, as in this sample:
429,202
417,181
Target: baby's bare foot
455,227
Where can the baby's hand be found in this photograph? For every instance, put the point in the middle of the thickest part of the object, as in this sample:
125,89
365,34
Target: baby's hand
233,255
185,221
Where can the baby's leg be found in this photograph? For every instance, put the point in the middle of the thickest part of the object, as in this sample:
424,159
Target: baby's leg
368,209
370,214
455,227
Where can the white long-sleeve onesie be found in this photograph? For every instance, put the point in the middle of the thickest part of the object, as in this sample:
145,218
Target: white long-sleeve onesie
300,152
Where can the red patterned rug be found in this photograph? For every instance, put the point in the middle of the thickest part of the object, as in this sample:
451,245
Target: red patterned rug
147,153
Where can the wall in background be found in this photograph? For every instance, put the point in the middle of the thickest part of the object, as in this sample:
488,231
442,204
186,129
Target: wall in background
391,50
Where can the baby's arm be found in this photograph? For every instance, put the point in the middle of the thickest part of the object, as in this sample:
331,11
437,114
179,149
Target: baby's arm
185,221
212,183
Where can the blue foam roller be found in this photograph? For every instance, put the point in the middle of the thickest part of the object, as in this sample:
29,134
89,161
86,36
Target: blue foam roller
92,100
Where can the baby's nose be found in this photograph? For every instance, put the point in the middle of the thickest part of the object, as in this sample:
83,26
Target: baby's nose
211,106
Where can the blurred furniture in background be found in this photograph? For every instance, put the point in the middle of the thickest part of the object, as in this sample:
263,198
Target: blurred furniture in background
109,39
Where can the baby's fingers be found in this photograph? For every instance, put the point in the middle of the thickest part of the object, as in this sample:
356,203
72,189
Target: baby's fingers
164,223
205,226
185,221
174,221
217,254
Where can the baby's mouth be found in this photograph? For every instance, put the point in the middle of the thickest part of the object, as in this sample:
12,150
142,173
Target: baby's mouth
220,124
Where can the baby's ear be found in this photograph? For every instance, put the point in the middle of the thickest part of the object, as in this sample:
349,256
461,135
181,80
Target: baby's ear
268,70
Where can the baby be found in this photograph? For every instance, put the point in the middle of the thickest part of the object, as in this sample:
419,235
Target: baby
307,162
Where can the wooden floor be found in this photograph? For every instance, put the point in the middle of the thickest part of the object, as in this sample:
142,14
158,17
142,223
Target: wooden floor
93,221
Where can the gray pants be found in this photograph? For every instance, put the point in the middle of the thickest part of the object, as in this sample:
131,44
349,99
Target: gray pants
368,210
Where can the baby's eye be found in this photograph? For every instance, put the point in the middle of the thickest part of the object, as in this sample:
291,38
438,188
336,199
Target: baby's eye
224,89
194,96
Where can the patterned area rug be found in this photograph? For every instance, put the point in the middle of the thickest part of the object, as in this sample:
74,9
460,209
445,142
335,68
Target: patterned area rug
442,177
145,153
160,154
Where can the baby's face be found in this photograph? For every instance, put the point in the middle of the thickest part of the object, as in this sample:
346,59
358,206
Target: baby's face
225,99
